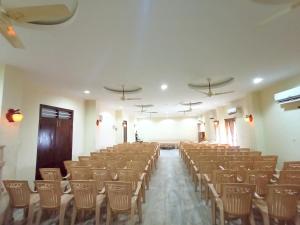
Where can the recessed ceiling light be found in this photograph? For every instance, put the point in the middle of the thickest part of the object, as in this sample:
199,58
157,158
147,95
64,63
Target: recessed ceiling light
164,87
87,92
257,80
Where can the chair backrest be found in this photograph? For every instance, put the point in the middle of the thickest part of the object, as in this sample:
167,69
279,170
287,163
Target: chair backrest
100,176
282,201
84,158
240,165
264,165
136,165
85,193
237,198
129,175
291,165
50,193
289,177
51,174
260,178
69,163
222,177
119,195
19,192
80,173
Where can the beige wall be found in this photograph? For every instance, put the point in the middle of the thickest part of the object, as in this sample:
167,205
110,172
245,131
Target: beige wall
274,131
21,138
281,128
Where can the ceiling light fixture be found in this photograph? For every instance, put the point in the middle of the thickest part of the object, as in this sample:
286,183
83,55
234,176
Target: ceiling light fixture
257,80
164,87
87,92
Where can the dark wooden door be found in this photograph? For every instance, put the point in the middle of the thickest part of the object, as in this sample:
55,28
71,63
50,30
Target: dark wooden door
124,131
54,138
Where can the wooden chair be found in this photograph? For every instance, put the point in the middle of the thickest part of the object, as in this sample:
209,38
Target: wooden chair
80,173
234,202
86,198
120,200
219,177
68,164
84,158
52,198
101,176
142,170
22,197
138,188
261,179
281,203
55,174
291,165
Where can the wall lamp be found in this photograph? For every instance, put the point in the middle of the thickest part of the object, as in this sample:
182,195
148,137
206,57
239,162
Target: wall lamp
249,118
216,123
14,115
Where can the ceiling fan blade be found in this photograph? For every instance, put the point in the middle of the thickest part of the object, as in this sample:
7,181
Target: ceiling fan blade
223,93
275,16
8,31
132,99
203,92
144,106
45,13
198,86
221,83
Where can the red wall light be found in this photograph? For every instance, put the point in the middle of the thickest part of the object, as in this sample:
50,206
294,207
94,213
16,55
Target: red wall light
14,115
249,118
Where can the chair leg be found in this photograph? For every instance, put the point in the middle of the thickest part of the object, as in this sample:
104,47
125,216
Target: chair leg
108,215
139,205
30,215
213,212
74,214
39,216
98,215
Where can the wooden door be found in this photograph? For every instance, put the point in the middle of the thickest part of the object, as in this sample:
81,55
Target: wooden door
124,131
54,138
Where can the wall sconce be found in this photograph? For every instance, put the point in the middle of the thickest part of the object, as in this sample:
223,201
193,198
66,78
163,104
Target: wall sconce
249,118
14,115
114,127
99,120
216,123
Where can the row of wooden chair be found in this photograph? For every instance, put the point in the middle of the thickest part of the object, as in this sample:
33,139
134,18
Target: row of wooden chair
235,187
119,184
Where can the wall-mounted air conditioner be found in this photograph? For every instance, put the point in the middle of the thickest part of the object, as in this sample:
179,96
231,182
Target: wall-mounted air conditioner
235,111
289,96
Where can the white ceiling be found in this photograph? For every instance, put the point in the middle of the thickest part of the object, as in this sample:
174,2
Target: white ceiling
150,42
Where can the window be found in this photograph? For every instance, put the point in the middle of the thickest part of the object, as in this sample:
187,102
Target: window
230,127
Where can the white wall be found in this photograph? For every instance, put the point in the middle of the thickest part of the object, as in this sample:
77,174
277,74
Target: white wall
167,129
106,133
1,85
90,126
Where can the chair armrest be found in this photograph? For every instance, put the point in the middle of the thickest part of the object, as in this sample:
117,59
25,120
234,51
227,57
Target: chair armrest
221,167
257,196
102,191
100,199
213,191
67,177
68,191
195,169
134,202
138,188
206,178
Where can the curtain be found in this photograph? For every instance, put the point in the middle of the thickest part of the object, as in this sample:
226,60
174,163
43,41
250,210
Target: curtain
230,130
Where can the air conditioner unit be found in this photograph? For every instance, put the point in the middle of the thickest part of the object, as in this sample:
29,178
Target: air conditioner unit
289,96
235,111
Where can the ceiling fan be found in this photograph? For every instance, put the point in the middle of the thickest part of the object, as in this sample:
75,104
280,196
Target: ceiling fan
143,107
124,91
209,86
291,5
40,15
150,113
190,104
